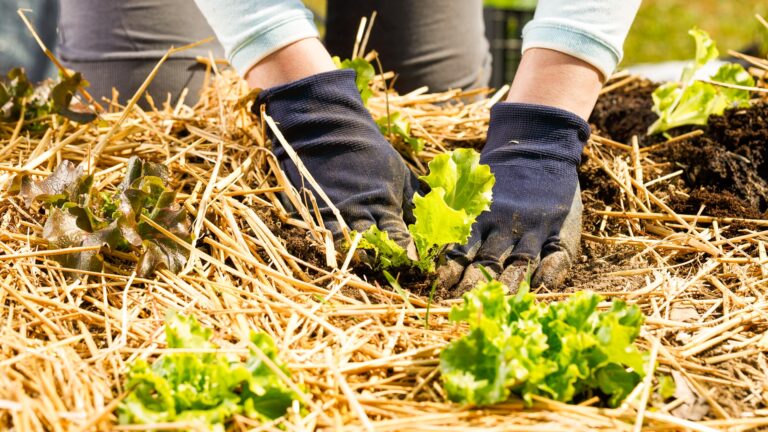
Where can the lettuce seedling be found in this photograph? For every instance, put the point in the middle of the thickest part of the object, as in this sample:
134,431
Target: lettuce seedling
204,388
691,102
18,95
561,350
364,74
395,125
460,191
78,216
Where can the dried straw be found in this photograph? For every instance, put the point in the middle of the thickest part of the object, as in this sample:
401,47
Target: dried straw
360,353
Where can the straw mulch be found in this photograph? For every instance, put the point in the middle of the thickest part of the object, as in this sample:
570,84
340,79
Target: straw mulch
360,352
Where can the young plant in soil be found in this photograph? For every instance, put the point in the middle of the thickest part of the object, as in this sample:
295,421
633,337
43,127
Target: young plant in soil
690,101
395,126
79,216
364,74
562,350
19,97
204,388
460,189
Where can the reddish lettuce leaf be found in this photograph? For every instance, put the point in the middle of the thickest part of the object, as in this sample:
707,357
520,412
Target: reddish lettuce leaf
18,95
80,217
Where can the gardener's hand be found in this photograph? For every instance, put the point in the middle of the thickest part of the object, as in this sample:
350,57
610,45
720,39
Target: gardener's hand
535,219
323,118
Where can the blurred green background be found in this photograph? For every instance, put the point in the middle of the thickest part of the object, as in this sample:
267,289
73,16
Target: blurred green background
660,29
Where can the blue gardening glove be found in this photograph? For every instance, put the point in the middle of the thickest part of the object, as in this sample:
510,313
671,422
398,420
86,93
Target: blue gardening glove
535,218
323,118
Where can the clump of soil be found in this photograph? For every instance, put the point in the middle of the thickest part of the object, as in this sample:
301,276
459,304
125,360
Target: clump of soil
716,203
297,241
593,270
625,112
726,167
731,156
411,279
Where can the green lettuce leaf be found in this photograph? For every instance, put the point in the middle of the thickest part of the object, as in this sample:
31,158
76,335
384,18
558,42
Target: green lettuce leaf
667,386
364,74
461,189
398,126
473,370
691,102
706,51
466,182
562,350
206,388
185,332
486,302
437,225
386,252
733,73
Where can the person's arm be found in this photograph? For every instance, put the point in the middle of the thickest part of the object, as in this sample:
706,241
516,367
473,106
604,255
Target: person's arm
534,146
268,42
552,78
569,49
274,45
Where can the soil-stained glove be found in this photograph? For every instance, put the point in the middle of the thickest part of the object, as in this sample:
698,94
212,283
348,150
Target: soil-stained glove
323,118
535,218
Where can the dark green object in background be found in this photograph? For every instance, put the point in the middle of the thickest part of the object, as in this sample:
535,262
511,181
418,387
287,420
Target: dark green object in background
511,4
504,22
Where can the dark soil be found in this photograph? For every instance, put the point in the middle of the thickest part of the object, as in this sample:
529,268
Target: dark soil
300,244
411,279
717,203
593,270
625,112
731,156
297,241
726,168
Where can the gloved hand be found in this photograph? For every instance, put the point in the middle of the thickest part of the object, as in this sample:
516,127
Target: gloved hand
535,218
323,118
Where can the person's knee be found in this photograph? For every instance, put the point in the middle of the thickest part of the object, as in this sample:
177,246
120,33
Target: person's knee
427,43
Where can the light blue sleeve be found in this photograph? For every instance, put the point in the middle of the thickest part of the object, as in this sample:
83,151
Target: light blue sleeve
591,30
250,30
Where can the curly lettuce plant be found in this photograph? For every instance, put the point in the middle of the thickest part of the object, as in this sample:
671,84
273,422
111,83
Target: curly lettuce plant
204,388
691,102
19,97
460,189
79,216
561,350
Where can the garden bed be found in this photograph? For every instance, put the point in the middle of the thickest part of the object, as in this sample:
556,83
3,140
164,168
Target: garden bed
687,247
